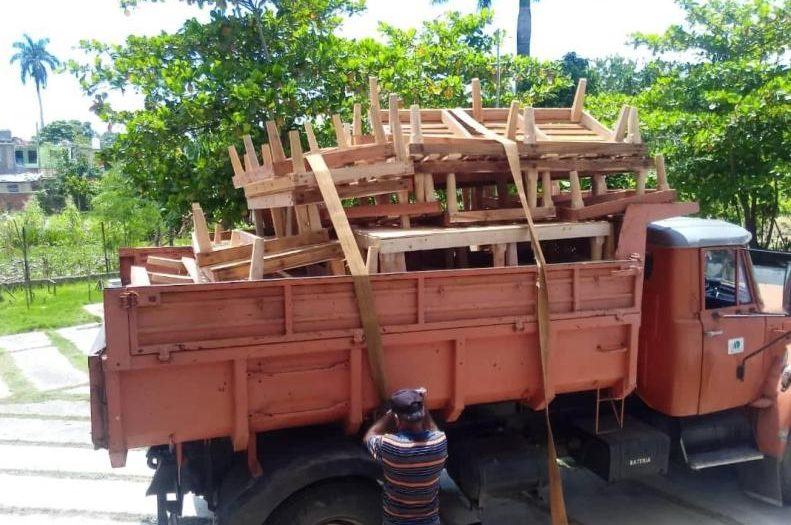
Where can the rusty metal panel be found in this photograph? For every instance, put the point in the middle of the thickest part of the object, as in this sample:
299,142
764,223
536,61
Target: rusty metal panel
176,354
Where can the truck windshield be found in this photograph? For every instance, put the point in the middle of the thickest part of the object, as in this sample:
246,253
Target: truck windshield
722,273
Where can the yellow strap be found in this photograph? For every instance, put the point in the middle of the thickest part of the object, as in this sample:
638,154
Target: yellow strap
359,271
557,503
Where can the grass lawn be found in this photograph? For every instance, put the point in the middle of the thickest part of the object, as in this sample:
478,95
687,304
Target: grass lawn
64,308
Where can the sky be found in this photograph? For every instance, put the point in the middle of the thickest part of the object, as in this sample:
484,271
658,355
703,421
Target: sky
592,28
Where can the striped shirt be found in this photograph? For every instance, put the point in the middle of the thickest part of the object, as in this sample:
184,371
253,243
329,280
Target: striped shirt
412,464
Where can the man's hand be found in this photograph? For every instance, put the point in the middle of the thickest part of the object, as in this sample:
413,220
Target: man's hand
785,379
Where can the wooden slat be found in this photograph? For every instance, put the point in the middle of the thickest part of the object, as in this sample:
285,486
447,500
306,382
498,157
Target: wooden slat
394,210
139,276
168,278
164,262
244,251
477,104
273,263
579,101
592,211
505,214
200,235
275,144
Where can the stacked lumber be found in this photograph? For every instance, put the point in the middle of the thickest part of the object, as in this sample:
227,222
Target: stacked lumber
458,180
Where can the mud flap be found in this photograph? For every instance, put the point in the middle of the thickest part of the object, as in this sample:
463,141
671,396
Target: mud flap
99,434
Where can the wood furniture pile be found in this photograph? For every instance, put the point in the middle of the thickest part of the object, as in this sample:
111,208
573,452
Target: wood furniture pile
420,180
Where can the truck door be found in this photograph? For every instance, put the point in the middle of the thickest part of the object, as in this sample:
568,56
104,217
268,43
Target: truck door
729,333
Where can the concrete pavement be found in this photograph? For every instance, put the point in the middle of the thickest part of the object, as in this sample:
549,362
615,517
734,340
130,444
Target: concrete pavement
49,472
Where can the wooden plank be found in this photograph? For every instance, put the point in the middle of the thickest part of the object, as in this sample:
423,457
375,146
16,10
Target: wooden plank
257,260
633,135
372,260
340,132
579,101
591,211
275,245
218,233
498,255
192,269
267,187
200,235
451,195
576,191
139,276
275,144
164,262
376,126
594,125
506,214
357,122
661,174
312,142
351,191
454,125
389,240
249,151
619,131
273,263
513,121
355,173
395,128
394,210
480,146
585,166
477,104
168,278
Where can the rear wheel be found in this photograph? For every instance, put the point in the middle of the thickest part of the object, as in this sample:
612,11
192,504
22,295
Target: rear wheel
345,502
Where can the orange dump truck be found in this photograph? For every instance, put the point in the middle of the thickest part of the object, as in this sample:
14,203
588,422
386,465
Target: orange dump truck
253,394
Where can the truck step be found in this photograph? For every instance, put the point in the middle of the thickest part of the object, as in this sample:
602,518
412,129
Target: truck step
719,458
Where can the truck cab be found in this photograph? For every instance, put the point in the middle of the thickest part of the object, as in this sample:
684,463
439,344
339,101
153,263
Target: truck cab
710,356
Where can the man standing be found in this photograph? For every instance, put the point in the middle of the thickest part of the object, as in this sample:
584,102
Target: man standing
412,452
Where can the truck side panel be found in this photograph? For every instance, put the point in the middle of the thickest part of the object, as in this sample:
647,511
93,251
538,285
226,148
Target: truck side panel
231,359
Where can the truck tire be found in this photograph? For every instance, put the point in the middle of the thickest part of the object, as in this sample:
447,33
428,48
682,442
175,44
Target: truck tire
342,502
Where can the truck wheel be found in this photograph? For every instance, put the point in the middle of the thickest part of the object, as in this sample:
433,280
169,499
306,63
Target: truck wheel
347,502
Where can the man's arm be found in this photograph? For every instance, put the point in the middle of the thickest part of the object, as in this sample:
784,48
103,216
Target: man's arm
428,422
381,427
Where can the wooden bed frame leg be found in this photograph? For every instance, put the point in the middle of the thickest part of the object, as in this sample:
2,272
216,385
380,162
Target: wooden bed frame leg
597,248
599,185
498,255
576,191
546,190
450,193
511,255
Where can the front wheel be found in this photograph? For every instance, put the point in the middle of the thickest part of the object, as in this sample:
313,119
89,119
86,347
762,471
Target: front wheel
343,502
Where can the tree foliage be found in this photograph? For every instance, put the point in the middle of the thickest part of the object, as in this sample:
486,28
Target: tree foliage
207,85
34,59
721,112
70,131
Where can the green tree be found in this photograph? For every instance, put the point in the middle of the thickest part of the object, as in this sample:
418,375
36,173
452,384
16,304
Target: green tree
208,84
34,59
128,217
75,177
71,131
720,110
524,23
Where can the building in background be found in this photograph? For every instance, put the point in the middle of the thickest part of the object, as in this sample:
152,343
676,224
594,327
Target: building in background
20,171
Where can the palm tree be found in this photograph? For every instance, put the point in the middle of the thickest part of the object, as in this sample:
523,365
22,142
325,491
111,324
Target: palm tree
524,23
33,60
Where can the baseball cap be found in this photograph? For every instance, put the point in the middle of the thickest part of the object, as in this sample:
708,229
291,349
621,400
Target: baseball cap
408,404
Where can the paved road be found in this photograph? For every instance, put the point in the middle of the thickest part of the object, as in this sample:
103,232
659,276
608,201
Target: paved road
49,473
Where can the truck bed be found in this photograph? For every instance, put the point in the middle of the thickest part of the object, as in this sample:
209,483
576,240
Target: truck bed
199,361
